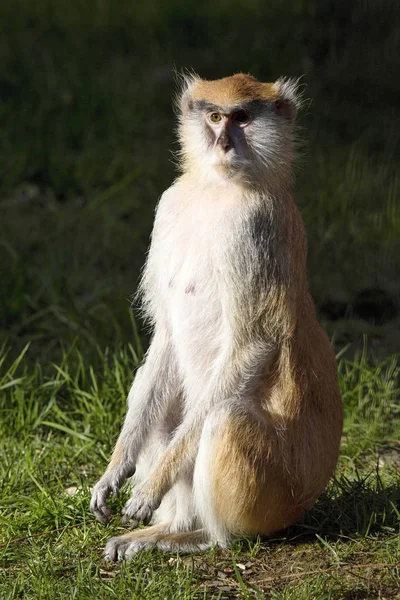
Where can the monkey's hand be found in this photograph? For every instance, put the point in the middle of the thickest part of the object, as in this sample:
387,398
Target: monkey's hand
110,483
140,507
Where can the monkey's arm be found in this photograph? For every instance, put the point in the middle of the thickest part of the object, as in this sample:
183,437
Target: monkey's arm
232,378
147,398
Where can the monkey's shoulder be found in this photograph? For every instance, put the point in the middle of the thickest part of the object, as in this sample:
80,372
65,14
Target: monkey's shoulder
274,225
256,230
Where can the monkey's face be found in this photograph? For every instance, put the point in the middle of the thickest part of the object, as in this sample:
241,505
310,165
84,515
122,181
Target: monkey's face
245,140
231,129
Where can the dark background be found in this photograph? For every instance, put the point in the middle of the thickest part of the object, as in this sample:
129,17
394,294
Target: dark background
87,126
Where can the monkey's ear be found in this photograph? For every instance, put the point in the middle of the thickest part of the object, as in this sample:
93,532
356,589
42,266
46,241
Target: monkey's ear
290,97
186,81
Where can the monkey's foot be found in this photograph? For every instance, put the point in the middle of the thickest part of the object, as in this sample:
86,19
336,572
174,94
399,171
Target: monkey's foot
139,508
126,546
118,548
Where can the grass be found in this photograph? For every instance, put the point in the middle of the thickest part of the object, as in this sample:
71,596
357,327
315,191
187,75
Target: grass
58,424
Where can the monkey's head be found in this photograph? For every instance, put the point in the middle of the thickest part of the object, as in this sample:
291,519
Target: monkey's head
238,128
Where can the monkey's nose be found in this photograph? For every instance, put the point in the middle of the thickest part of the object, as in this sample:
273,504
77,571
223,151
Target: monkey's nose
224,141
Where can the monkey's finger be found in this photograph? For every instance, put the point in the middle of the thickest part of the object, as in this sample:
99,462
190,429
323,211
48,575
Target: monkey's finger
115,491
129,521
103,515
147,518
125,518
129,514
98,506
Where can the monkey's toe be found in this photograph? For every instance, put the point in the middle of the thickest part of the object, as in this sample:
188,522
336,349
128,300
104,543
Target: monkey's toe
122,548
115,549
138,546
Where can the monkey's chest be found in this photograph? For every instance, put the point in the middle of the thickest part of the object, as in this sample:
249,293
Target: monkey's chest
192,293
194,308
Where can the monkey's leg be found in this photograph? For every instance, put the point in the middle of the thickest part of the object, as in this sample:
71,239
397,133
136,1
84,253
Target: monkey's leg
175,520
238,370
174,516
127,545
239,487
185,515
242,482
176,506
117,547
155,382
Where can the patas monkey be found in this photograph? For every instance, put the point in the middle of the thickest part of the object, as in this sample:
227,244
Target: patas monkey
234,420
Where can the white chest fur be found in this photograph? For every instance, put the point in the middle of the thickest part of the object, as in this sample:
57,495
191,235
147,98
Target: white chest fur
190,257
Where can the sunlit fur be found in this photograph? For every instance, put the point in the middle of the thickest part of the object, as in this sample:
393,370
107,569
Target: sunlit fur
263,153
234,420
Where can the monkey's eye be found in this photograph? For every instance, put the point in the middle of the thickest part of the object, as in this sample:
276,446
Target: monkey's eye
215,117
241,118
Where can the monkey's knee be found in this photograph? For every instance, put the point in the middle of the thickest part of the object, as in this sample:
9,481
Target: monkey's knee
251,494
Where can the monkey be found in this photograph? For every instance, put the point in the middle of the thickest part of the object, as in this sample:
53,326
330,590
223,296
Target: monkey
234,419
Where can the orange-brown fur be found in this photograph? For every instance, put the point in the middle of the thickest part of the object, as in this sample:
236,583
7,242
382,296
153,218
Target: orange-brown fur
266,472
117,456
234,90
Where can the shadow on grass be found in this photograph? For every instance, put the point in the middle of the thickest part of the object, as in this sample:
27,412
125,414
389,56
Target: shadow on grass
358,507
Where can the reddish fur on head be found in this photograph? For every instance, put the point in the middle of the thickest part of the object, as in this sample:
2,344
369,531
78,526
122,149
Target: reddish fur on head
234,90
241,88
